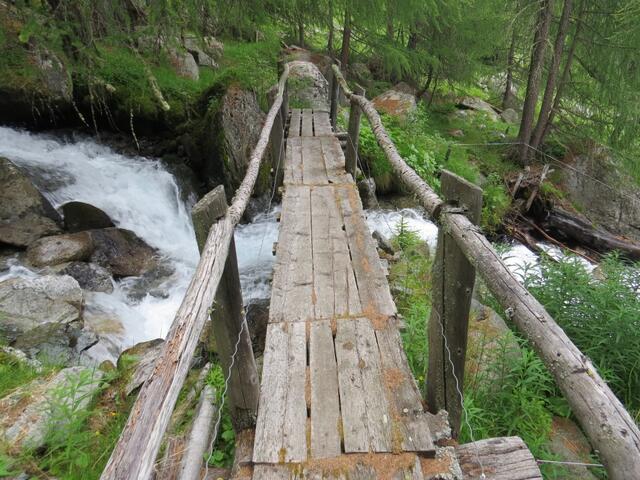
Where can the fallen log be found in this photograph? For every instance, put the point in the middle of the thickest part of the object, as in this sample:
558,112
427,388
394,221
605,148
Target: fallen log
569,227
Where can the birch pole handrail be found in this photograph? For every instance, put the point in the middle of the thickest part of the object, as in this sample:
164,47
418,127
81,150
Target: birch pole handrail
135,453
611,430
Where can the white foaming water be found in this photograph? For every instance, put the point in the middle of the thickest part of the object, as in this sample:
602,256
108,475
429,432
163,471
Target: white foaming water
139,194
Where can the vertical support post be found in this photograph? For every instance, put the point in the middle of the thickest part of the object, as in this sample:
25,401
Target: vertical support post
334,95
227,319
351,153
453,280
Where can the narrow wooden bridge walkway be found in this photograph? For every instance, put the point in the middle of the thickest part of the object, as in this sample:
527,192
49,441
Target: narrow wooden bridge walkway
335,378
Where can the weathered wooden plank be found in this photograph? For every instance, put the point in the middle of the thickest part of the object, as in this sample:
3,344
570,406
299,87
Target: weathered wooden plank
373,287
505,458
352,403
405,398
294,441
293,161
323,217
322,124
273,396
325,404
295,122
365,412
299,296
453,281
334,160
306,129
283,259
313,169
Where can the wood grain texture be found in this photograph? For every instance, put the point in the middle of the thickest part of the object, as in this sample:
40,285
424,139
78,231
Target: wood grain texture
306,129
504,458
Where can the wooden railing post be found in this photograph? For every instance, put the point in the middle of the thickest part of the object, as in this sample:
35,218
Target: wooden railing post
353,134
453,279
334,95
227,319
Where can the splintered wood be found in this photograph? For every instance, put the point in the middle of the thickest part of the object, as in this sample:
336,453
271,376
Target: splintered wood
335,380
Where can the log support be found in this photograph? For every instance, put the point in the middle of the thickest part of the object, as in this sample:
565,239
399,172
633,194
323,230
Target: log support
277,140
453,280
351,154
228,319
334,95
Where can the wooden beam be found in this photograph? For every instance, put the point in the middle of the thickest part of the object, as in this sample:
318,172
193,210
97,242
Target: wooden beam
353,138
611,430
134,455
453,279
334,95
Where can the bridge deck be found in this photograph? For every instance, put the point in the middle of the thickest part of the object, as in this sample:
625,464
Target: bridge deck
337,396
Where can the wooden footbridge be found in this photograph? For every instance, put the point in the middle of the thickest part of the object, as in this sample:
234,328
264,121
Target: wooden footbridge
336,398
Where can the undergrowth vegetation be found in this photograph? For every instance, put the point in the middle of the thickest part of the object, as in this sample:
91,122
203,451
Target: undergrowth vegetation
508,389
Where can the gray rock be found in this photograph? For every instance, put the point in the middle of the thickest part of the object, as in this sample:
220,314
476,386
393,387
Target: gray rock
90,276
80,216
360,72
213,47
257,319
456,133
20,356
594,174
61,344
122,252
510,116
241,123
307,86
29,412
60,249
395,103
367,190
152,282
193,46
184,64
28,303
403,87
569,443
54,73
383,243
25,215
145,355
474,103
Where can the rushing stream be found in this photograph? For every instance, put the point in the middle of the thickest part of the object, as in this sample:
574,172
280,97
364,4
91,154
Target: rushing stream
138,194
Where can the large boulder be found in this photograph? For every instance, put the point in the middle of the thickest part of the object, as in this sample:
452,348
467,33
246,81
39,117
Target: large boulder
477,104
80,216
241,123
60,249
510,116
307,86
595,174
28,303
184,63
396,103
320,60
144,355
122,252
196,49
25,215
54,74
27,413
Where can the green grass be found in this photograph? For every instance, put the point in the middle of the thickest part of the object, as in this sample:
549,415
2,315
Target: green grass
14,373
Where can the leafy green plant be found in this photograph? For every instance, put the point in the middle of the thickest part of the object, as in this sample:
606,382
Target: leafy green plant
224,449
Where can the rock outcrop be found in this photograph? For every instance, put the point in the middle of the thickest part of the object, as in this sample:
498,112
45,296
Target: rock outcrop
241,122
477,104
398,103
25,215
307,86
80,216
89,276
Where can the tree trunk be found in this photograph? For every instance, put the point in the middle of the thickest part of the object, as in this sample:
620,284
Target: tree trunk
564,79
390,31
533,82
558,50
330,36
510,64
301,32
346,38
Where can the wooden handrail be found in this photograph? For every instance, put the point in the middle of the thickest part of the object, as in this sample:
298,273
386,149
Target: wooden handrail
135,453
610,428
